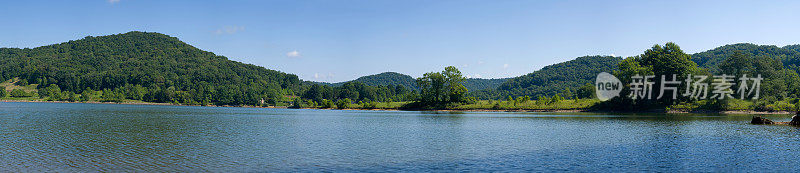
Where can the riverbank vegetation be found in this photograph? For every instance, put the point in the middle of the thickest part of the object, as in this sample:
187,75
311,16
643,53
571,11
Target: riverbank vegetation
139,67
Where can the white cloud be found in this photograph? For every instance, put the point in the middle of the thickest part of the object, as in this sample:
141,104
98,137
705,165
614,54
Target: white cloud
113,1
478,76
505,65
480,62
227,29
613,55
293,54
323,76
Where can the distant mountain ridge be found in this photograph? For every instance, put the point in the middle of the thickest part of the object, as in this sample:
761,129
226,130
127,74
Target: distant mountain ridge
788,55
385,78
555,78
394,78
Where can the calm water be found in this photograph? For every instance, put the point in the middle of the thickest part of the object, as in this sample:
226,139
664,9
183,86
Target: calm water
97,137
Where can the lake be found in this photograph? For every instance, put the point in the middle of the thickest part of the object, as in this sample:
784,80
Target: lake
145,138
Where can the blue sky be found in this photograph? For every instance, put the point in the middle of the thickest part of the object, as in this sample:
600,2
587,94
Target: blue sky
340,40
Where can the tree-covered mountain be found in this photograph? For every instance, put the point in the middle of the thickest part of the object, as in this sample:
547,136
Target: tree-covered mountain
795,47
146,66
476,84
385,78
710,59
555,78
394,78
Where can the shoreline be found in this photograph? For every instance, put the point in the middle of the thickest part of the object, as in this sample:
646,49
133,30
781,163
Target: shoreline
135,103
747,112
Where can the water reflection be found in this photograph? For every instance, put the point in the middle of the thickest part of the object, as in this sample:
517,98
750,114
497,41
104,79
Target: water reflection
91,137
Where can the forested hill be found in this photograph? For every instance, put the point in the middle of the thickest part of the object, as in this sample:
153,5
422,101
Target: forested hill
788,55
394,78
795,47
145,66
555,78
385,78
475,84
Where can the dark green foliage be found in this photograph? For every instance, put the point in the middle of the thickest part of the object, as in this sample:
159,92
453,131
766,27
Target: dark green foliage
3,92
385,78
52,91
394,78
437,89
778,82
357,91
145,66
659,60
298,103
326,103
567,93
710,59
553,79
19,93
586,92
475,84
343,103
116,95
555,99
86,95
367,104
795,47
666,61
21,82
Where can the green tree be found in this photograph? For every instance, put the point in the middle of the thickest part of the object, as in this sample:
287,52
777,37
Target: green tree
439,88
737,64
343,103
112,95
52,91
325,103
455,89
3,92
567,93
311,103
22,82
542,100
86,95
666,61
69,96
556,99
19,93
586,92
297,103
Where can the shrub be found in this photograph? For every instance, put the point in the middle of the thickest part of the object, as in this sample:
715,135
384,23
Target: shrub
326,103
22,82
343,103
19,93
86,95
3,92
297,103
